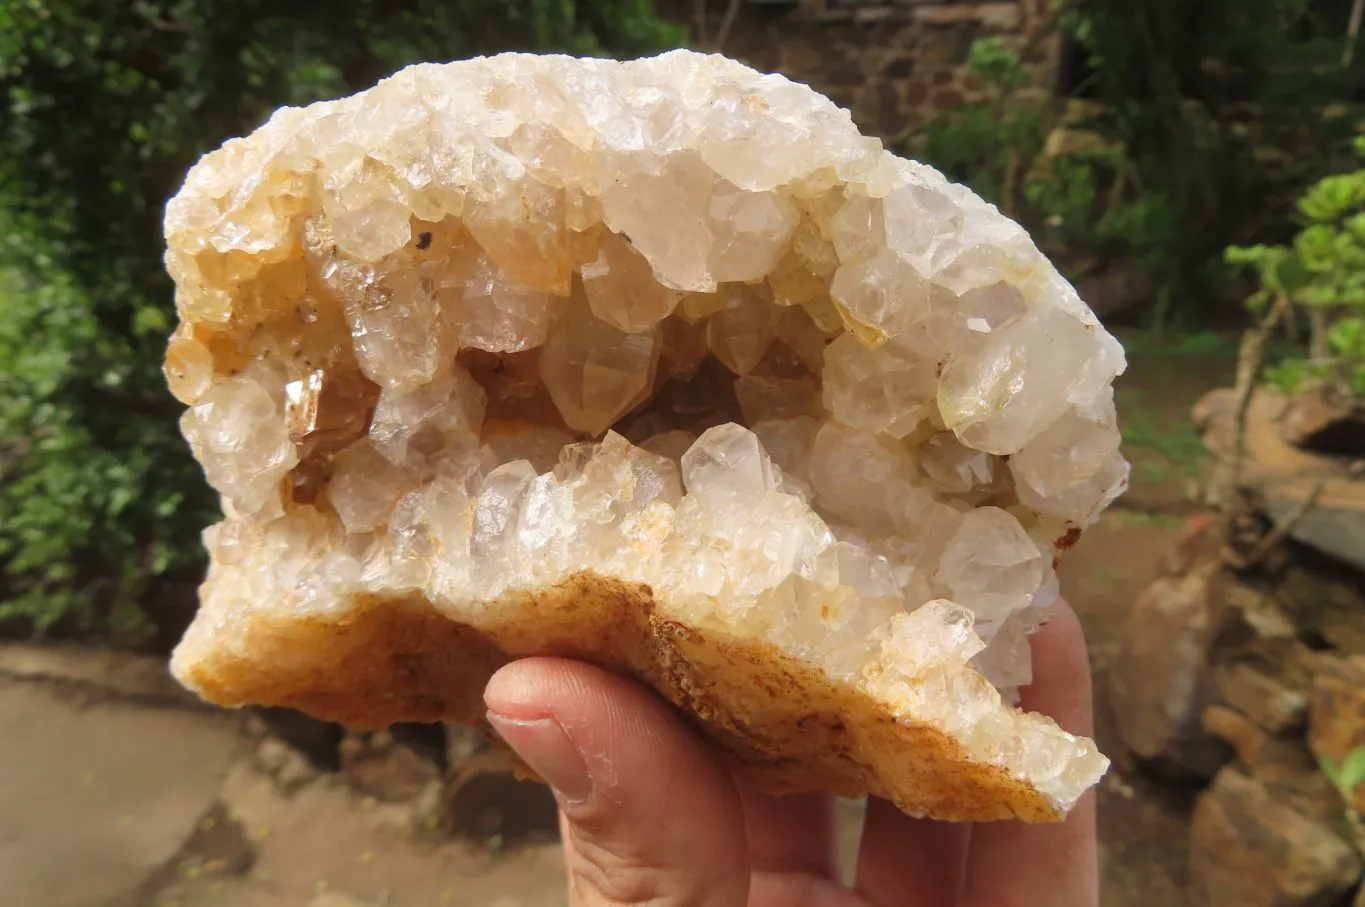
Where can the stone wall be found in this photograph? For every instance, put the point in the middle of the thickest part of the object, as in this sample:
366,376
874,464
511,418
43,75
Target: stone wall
893,63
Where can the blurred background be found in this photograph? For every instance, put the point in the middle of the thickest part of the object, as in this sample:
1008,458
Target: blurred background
1194,167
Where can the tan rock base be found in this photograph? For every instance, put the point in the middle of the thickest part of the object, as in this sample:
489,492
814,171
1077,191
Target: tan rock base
785,727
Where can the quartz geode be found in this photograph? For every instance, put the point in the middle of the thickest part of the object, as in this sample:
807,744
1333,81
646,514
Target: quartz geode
660,364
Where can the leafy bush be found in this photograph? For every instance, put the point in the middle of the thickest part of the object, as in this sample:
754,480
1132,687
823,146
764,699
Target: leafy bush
1046,164
106,104
1225,108
1322,272
1196,126
991,143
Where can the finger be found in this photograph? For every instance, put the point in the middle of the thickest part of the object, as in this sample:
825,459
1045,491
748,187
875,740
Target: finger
793,851
908,861
651,815
1045,865
792,834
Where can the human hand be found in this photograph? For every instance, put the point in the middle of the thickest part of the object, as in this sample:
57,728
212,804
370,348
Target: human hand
650,814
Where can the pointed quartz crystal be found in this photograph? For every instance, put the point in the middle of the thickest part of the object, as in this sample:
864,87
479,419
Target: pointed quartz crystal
188,367
957,469
739,334
622,289
522,228
594,372
1069,451
751,231
413,424
238,432
396,323
774,398
364,487
1022,379
858,476
804,272
727,465
880,296
490,312
887,390
329,408
991,565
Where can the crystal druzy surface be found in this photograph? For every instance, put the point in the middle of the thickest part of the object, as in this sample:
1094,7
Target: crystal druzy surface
494,324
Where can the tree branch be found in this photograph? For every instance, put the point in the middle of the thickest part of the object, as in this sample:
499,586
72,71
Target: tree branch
728,22
1353,32
1281,529
1250,360
699,24
1045,29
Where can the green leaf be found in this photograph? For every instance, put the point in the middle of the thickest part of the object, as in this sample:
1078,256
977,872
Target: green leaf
1291,275
1347,337
1286,376
1333,197
1352,773
1356,380
151,320
1331,770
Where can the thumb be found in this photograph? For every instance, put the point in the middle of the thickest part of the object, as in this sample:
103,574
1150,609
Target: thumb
650,816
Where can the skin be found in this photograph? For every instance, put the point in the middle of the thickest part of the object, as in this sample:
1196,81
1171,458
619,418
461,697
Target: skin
650,815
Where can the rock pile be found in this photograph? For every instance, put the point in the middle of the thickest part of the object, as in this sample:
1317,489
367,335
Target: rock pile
1254,679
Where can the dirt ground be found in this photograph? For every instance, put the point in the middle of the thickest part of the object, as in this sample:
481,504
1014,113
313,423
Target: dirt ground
1143,822
158,806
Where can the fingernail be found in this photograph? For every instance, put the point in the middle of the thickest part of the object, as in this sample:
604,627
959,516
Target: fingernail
544,746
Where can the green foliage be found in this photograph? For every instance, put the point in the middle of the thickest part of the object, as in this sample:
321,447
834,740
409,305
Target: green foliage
990,143
1139,342
1179,446
1079,197
105,106
1321,272
1225,108
997,64
1349,775
1200,123
1347,778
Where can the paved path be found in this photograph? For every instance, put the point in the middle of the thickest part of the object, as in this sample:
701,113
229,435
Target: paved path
94,799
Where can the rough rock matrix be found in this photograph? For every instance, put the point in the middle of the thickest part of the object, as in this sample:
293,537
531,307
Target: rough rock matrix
660,364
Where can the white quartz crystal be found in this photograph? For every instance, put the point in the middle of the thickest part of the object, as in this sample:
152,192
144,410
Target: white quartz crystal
420,324
237,430
412,424
888,390
595,372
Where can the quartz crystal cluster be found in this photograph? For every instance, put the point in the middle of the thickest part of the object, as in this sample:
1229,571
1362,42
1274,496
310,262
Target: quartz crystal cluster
496,323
